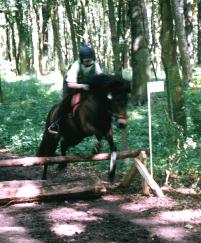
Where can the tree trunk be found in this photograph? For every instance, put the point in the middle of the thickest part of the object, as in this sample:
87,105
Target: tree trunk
57,38
115,38
1,92
34,37
22,59
72,28
155,51
175,87
124,22
43,16
199,32
140,52
188,13
10,22
177,10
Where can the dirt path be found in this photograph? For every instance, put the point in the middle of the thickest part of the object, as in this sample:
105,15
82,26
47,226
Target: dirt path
118,216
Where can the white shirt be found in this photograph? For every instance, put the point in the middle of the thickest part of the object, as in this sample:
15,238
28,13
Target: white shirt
75,68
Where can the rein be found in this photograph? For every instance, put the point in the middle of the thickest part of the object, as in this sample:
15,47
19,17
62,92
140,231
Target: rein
115,115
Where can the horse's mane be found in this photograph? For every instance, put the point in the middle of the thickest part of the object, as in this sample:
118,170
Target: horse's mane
107,83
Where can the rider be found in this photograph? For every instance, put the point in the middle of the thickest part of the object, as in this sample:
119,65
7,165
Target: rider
81,70
75,79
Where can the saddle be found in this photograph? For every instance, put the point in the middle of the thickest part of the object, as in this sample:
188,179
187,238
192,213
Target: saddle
75,102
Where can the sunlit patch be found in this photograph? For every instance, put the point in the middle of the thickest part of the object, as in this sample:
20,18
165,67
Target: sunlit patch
50,79
99,211
148,203
9,229
26,205
71,214
193,216
28,191
68,229
135,115
170,233
145,221
112,198
134,207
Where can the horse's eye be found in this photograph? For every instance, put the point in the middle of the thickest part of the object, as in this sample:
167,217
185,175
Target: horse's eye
109,96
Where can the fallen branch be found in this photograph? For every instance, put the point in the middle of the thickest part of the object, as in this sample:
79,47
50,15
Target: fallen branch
39,190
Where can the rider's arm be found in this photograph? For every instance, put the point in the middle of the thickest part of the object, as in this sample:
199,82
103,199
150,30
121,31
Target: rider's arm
98,69
73,73
78,86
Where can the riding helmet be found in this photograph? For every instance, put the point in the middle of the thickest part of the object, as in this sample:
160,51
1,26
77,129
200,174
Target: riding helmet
86,53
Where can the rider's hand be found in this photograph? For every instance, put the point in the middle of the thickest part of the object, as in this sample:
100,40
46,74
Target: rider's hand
85,87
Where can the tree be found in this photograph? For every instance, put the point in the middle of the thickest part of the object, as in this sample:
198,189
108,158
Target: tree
177,10
114,37
1,92
72,29
23,49
199,31
188,15
174,83
57,37
140,52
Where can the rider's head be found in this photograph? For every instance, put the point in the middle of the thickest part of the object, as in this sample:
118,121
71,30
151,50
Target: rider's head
87,55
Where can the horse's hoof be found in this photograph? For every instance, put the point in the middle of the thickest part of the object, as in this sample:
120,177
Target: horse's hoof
111,177
111,174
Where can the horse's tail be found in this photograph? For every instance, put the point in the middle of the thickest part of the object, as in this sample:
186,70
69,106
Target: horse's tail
47,145
41,152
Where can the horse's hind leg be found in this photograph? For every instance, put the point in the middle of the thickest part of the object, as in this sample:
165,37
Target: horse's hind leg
47,147
98,146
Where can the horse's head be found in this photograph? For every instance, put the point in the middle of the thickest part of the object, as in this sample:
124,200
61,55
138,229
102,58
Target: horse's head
114,90
117,96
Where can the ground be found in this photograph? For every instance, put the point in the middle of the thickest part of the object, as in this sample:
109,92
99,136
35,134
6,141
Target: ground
124,215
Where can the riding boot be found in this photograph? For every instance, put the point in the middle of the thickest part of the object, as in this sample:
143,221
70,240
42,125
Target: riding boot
63,109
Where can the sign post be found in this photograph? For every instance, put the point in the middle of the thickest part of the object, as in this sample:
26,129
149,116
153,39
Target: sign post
152,87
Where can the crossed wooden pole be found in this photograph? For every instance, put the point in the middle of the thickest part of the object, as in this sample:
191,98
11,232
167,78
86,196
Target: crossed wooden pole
40,190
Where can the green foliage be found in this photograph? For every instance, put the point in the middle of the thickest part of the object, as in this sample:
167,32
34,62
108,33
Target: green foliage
23,113
193,98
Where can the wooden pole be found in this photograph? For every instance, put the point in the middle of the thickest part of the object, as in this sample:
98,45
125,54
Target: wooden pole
138,164
148,178
38,161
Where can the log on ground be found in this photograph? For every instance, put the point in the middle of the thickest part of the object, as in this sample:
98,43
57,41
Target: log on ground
39,190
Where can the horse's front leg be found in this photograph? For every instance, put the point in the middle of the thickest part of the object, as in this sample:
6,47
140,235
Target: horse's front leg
113,156
63,153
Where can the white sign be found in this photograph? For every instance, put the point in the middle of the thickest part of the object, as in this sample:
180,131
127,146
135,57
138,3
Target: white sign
157,86
152,87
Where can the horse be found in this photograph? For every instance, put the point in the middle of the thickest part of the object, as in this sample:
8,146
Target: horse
107,97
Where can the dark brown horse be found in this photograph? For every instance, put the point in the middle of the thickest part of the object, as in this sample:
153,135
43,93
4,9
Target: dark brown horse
107,98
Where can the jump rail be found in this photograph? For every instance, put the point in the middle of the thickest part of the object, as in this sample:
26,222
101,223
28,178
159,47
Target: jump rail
139,163
38,161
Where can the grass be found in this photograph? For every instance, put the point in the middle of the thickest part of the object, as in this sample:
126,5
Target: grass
27,102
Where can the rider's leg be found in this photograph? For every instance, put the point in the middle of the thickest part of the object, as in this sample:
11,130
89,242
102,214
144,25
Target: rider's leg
63,109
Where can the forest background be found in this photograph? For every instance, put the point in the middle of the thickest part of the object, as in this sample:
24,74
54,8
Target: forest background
142,40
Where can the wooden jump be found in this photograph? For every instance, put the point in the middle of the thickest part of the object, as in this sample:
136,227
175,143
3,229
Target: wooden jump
38,161
40,190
